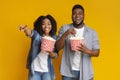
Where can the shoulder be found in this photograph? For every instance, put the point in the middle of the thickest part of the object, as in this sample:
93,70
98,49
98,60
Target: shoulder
54,36
65,27
36,35
89,29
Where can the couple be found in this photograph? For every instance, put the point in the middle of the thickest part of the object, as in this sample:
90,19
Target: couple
75,65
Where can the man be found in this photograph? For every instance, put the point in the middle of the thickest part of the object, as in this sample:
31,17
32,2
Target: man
76,65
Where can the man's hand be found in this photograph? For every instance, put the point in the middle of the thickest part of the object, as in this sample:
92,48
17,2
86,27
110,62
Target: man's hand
70,31
85,50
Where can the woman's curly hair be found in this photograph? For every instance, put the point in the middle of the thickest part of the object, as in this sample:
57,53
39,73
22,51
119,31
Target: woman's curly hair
38,24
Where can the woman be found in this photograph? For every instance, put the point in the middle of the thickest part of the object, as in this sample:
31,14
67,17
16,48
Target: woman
39,63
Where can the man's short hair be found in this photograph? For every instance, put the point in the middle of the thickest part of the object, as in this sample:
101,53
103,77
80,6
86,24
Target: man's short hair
77,6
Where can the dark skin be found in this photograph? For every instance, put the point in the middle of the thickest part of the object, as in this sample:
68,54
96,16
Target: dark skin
28,32
78,17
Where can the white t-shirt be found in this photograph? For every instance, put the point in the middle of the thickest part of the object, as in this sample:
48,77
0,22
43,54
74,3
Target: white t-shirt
40,63
77,56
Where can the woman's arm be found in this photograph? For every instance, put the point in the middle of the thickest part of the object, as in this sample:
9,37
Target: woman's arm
53,55
25,29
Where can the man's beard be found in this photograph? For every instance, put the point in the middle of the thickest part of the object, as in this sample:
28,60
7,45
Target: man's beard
77,25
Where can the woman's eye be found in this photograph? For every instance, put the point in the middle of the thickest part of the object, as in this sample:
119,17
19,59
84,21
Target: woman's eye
43,24
49,24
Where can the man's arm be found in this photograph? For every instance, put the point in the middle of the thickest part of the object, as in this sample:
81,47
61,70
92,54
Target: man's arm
85,50
95,48
60,43
94,53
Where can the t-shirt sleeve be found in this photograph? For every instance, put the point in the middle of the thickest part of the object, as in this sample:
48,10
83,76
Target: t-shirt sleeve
61,31
95,41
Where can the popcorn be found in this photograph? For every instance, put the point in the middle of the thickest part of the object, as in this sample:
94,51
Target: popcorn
75,42
47,43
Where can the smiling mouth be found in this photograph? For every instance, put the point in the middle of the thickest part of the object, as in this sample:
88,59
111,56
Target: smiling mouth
46,29
77,19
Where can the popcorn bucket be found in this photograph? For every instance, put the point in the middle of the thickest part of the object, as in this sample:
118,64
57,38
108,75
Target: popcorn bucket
47,43
75,42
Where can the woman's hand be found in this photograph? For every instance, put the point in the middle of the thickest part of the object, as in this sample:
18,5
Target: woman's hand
22,28
25,29
52,54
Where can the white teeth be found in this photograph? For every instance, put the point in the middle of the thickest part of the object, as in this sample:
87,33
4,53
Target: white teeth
77,18
46,29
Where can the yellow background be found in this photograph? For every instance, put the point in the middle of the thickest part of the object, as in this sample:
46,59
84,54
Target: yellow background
101,15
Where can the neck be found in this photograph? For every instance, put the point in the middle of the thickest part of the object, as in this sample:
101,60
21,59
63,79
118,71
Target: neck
78,26
46,35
